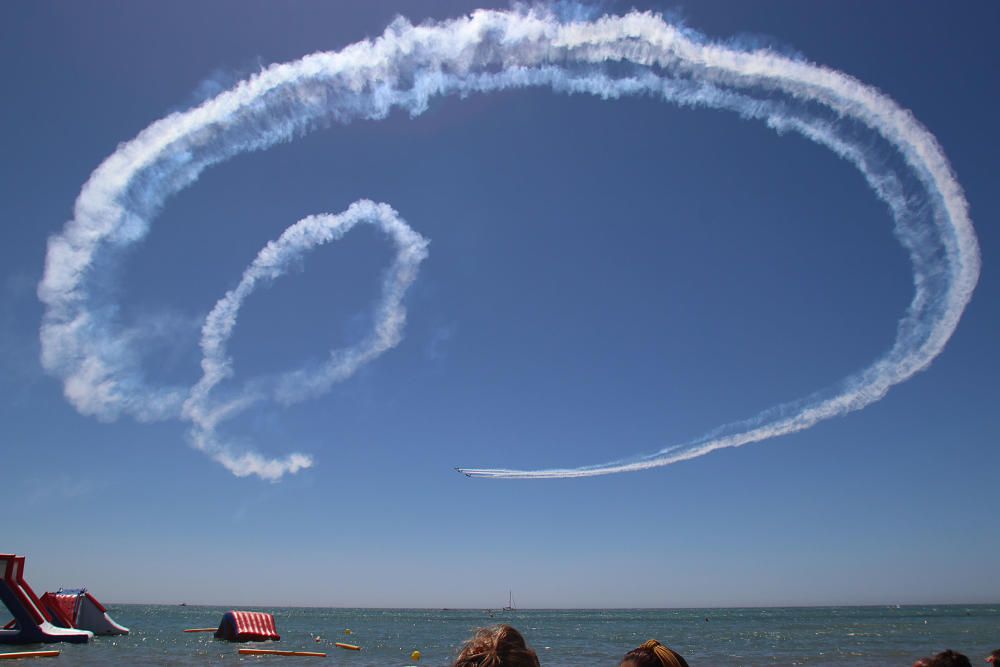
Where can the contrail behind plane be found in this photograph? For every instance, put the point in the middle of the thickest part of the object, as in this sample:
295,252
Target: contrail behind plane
94,353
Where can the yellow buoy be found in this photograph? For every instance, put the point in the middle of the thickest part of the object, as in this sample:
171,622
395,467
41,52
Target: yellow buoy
415,656
29,654
347,631
270,651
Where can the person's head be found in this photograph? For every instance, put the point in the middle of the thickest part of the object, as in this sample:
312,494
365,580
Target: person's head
994,658
947,658
653,654
499,646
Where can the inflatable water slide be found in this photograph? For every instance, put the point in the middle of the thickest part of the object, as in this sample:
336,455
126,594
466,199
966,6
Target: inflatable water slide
77,608
68,615
32,623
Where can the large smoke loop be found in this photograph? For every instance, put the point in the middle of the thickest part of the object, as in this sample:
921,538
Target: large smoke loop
85,344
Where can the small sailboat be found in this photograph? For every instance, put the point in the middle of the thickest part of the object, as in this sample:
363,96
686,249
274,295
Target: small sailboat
510,602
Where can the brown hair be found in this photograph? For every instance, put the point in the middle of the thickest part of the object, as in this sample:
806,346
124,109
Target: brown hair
653,654
499,646
947,658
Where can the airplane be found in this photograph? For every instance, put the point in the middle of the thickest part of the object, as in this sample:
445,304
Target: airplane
463,472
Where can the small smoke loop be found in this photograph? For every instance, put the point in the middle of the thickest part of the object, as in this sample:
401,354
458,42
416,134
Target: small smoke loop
610,57
293,386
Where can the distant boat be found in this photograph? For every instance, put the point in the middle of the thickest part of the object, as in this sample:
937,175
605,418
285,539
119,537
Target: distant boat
510,602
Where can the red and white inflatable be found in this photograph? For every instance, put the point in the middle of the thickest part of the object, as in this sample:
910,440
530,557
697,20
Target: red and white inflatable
247,626
77,608
33,623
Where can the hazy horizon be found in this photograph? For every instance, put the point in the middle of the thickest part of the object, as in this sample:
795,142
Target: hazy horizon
519,608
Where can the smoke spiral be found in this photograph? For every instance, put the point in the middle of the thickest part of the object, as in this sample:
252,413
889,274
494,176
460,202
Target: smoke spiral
85,345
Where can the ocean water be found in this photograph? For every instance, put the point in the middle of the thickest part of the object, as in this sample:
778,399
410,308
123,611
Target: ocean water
563,638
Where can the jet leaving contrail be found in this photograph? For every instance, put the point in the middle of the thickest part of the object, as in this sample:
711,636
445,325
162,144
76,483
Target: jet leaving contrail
85,344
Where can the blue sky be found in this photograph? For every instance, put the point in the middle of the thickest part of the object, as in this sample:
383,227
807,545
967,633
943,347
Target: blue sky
604,279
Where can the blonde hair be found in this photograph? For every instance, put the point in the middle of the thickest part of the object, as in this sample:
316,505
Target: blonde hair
498,646
652,652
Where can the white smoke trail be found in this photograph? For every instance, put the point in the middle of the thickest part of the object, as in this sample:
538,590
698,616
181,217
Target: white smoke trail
637,54
293,386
